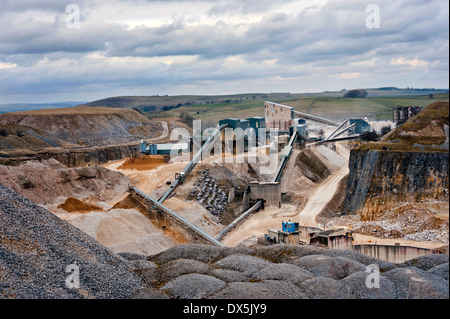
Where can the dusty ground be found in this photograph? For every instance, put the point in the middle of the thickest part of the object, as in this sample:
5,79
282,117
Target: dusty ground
307,198
143,163
94,200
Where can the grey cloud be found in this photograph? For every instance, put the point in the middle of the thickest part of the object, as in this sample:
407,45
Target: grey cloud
323,41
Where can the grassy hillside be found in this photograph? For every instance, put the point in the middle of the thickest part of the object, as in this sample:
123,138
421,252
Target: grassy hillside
330,104
334,108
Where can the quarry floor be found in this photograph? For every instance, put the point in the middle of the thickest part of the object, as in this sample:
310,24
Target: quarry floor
99,206
152,180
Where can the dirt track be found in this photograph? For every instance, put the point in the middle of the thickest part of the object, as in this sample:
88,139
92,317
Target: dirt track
317,197
320,198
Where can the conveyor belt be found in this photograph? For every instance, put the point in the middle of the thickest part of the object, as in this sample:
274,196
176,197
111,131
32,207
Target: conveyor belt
206,148
178,218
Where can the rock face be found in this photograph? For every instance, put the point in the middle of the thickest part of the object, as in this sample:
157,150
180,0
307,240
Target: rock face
72,157
78,136
87,126
410,164
380,179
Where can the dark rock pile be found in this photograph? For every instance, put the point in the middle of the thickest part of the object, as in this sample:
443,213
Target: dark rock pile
207,192
286,272
38,253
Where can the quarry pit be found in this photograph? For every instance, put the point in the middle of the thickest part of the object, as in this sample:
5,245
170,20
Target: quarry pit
97,200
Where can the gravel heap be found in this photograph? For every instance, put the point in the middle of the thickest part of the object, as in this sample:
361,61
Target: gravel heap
207,192
37,250
193,271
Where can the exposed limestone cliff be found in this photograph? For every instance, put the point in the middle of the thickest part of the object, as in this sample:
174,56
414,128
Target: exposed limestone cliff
378,180
410,165
72,157
87,126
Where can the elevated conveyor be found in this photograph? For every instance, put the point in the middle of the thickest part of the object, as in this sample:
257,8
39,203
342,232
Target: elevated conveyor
205,150
316,118
284,157
175,217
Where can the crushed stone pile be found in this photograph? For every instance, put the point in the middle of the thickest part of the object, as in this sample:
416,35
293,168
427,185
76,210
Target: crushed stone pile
208,193
36,249
38,253
193,271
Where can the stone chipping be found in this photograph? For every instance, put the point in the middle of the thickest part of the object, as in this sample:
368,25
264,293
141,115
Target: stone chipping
36,247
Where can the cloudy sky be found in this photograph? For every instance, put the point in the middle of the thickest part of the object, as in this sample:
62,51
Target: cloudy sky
144,47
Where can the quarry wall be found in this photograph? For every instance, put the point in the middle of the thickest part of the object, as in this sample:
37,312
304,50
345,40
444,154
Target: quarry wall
380,179
73,157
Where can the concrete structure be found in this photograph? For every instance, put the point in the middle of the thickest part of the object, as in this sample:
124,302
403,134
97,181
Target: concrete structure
257,123
289,234
236,123
269,193
163,149
160,212
333,239
404,113
245,130
301,129
278,116
396,254
360,128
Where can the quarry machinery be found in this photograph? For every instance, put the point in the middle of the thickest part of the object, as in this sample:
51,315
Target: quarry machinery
204,151
288,234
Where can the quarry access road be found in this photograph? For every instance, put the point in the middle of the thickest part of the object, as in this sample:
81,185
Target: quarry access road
321,197
271,218
165,133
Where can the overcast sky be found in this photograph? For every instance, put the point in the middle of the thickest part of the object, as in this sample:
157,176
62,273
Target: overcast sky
144,47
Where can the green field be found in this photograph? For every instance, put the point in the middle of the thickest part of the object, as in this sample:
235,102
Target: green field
212,108
379,108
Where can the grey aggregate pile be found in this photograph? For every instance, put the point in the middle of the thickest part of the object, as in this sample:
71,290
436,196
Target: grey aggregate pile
193,271
36,247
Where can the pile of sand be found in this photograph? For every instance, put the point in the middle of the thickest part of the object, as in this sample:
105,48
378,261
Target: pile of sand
73,205
125,230
143,163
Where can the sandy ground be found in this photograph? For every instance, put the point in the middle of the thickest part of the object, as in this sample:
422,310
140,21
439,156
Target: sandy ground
124,230
271,218
149,180
320,198
154,182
